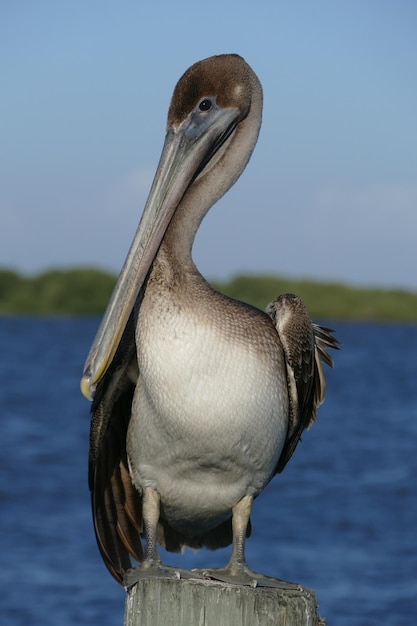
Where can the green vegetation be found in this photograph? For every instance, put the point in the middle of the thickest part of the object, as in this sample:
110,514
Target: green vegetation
57,292
328,300
86,292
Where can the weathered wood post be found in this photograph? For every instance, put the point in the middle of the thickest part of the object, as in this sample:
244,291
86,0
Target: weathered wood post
192,602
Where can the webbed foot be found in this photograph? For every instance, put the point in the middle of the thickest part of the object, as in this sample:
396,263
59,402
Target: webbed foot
240,574
150,569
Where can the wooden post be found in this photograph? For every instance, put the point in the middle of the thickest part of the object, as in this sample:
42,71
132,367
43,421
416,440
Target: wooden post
192,602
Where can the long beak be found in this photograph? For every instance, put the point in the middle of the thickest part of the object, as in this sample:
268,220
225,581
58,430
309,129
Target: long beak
186,152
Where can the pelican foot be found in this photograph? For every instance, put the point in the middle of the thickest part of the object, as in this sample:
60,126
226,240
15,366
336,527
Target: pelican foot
153,569
242,575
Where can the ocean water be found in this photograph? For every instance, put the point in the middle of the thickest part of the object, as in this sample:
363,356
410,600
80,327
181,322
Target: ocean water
341,519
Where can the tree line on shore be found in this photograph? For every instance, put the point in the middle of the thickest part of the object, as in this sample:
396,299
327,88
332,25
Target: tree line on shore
85,291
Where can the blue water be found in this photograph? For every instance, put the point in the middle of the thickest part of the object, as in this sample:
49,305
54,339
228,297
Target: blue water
341,519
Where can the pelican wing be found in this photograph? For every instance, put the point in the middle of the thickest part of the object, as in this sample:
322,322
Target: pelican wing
116,504
304,344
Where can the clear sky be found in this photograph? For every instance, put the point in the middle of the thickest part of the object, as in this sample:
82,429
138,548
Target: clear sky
330,192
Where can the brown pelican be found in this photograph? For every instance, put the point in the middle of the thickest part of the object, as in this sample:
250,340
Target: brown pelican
198,399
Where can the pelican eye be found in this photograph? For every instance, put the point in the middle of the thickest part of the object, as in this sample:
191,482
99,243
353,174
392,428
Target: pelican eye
205,105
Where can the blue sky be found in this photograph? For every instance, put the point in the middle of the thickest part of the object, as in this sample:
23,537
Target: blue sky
331,189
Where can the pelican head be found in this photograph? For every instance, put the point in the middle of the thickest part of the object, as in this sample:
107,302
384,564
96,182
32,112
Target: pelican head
213,124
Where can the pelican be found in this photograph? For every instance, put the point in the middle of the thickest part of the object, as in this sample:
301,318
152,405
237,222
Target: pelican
198,399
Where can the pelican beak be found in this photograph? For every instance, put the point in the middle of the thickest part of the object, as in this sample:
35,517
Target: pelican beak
187,151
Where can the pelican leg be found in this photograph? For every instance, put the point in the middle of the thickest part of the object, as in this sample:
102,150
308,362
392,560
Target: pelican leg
150,512
236,571
240,520
151,567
